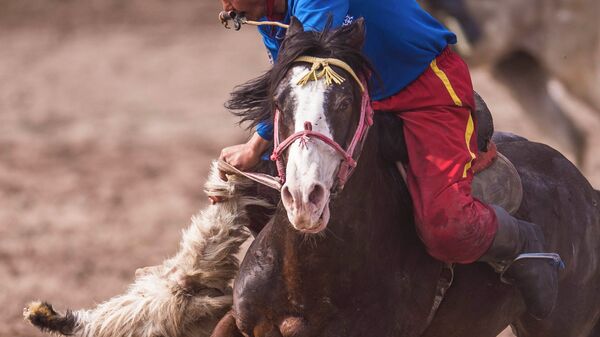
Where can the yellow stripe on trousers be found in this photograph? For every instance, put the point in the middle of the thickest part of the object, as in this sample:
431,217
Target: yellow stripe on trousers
470,124
468,134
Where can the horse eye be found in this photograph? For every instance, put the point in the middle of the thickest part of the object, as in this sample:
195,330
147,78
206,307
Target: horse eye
344,105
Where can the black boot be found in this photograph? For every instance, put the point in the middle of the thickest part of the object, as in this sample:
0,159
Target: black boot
517,254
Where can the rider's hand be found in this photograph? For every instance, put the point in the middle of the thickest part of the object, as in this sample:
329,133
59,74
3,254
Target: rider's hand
244,156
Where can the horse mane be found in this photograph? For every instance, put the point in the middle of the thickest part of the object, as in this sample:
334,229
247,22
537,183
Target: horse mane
253,100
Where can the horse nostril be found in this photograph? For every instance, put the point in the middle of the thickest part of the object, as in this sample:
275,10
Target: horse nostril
317,194
286,195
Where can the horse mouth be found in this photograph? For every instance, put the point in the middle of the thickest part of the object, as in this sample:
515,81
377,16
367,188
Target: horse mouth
321,223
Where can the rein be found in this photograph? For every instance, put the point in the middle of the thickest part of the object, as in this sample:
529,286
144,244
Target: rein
239,20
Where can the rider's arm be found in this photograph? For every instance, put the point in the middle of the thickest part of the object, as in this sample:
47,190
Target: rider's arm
265,129
246,156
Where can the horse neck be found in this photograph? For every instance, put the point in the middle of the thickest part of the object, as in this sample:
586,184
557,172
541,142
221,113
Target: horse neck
371,232
374,203
369,257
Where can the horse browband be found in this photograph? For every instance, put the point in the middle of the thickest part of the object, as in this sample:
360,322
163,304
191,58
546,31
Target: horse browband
330,75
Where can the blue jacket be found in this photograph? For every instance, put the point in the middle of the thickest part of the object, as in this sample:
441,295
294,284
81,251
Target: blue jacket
401,38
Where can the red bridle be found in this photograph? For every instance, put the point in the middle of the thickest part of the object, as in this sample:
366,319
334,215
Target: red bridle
349,155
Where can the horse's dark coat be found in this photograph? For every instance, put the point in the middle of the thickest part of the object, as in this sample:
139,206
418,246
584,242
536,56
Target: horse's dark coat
558,198
330,282
369,274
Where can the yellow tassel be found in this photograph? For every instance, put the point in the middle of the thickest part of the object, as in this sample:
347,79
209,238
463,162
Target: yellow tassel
331,76
311,75
326,72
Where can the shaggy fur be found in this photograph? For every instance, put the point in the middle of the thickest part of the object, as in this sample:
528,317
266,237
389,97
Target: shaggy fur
187,294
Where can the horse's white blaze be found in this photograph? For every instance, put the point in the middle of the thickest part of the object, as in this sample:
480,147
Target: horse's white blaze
313,164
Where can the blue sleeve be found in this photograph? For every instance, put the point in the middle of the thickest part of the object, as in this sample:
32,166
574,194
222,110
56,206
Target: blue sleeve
314,13
265,129
270,43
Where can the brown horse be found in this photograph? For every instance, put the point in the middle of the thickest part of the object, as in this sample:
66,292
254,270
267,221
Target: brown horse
367,273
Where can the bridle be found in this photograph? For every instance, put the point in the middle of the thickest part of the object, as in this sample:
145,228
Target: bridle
321,69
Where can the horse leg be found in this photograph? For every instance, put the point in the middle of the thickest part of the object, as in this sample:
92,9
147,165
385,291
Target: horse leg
527,80
596,330
487,310
227,327
526,326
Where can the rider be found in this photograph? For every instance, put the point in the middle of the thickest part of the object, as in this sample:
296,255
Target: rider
429,87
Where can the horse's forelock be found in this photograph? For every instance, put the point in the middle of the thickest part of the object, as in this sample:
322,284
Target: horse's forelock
330,43
252,101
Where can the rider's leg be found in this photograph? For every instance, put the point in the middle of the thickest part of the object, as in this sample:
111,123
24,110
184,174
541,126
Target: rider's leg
537,279
455,227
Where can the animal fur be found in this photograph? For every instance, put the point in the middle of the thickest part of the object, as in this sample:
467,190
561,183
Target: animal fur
187,294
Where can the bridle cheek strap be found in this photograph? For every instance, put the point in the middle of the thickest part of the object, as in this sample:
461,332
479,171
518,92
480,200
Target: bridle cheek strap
348,155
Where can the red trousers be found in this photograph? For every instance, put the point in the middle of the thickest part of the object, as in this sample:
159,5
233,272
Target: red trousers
440,136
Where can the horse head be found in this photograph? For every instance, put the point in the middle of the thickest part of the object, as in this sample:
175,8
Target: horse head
322,113
316,94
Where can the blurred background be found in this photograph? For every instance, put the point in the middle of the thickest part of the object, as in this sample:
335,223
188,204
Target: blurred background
111,111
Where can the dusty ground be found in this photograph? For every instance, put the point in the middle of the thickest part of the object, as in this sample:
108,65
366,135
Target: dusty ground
106,133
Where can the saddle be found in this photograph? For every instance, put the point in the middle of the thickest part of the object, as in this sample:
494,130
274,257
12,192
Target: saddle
496,180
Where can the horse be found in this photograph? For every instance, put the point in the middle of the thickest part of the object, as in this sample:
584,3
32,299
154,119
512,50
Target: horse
529,43
350,263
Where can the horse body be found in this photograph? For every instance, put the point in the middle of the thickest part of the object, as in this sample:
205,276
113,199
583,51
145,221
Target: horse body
370,275
367,273
358,279
560,199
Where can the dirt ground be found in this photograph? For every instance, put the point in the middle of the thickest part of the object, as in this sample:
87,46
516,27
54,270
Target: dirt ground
107,128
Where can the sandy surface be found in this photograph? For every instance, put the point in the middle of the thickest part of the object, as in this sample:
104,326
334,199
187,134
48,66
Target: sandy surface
105,141
106,133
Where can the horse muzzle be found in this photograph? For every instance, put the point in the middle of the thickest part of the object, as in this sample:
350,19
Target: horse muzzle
307,208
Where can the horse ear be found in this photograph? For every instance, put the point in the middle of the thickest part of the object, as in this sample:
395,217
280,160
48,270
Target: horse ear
295,26
356,33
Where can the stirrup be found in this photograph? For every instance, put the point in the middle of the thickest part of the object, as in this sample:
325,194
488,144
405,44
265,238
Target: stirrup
554,257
